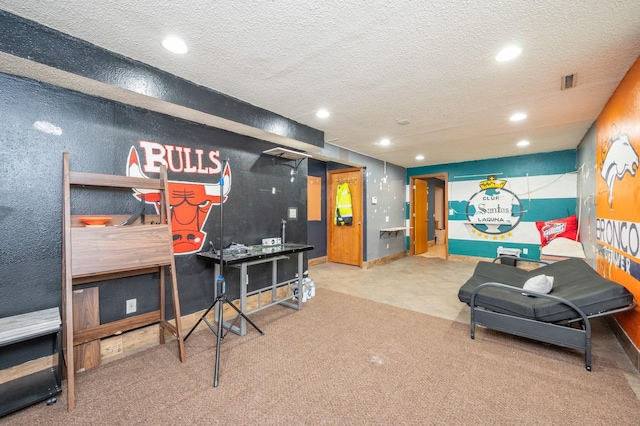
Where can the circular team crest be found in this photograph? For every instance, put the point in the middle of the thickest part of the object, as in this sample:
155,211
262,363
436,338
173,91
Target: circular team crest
494,210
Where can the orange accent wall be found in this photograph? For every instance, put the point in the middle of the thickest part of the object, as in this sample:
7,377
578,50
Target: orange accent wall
617,190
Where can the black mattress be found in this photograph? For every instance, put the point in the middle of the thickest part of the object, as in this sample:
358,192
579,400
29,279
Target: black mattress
574,280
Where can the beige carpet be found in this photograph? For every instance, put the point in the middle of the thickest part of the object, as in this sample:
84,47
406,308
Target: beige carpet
345,360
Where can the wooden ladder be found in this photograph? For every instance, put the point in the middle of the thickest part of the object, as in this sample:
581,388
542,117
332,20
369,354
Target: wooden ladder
91,254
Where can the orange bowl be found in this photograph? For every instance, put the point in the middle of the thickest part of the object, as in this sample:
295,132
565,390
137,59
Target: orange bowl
95,220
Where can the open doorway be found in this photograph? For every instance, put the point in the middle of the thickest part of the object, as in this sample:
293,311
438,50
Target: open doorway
429,219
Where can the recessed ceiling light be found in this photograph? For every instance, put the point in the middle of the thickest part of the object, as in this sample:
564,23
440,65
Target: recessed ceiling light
175,45
523,143
508,53
518,116
385,142
420,157
323,113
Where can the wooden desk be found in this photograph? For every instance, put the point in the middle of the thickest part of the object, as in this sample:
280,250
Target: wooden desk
257,255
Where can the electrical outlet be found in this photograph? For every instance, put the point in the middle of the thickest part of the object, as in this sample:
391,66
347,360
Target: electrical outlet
131,306
525,251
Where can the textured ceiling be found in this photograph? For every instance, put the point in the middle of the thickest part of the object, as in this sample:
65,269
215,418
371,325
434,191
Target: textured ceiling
372,63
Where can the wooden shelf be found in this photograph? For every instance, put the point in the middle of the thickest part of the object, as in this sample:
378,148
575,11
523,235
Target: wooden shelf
92,254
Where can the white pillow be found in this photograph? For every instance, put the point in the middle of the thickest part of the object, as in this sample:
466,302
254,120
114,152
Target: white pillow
539,284
564,247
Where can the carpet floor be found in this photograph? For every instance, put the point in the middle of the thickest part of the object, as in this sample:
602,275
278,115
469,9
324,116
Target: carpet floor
344,360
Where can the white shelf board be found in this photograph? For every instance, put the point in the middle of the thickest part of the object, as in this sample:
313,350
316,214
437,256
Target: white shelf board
286,153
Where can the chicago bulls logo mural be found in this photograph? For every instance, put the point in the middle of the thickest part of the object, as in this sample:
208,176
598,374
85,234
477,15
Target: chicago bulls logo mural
191,202
620,159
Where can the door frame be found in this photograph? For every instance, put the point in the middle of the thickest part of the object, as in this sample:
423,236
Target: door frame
412,210
358,206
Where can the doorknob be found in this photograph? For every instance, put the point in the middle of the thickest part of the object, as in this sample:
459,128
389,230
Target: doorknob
358,223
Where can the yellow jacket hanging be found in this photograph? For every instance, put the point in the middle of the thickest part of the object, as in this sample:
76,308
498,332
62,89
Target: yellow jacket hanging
344,209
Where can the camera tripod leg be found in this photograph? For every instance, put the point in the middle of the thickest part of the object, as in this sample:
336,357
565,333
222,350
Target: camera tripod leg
224,299
201,319
218,338
244,316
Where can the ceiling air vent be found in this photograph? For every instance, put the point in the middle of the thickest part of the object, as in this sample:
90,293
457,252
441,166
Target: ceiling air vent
569,81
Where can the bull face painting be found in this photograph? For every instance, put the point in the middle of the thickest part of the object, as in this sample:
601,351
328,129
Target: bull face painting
190,202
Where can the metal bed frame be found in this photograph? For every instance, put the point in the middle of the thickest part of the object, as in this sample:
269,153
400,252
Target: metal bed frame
561,333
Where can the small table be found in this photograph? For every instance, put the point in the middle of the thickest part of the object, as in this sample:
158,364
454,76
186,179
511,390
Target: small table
257,255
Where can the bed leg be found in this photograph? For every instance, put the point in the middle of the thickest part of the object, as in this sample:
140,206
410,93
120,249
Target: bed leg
587,344
473,325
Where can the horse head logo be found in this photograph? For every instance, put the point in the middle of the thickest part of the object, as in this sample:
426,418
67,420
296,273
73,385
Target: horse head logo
619,159
190,205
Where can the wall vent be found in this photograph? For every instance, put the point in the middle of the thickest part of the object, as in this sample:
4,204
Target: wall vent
569,81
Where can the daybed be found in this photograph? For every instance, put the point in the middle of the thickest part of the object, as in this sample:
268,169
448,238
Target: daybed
498,301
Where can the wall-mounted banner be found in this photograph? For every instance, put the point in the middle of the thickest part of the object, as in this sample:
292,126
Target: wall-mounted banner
191,202
494,210
617,183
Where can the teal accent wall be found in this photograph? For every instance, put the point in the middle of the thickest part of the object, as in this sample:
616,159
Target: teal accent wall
544,186
547,163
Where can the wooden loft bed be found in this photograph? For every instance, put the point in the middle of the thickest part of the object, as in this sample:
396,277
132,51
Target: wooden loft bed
91,254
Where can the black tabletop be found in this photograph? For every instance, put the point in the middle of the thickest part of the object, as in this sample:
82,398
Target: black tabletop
256,253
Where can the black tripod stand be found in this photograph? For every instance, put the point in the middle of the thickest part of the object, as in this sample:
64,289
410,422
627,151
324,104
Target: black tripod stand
221,296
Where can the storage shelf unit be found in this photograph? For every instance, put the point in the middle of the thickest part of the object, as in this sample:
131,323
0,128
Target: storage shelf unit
39,386
91,254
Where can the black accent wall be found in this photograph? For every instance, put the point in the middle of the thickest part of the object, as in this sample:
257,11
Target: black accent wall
98,135
317,229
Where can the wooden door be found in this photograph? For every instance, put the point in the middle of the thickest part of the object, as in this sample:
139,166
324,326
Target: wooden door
344,243
421,215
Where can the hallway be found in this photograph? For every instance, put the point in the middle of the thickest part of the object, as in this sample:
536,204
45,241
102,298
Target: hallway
436,251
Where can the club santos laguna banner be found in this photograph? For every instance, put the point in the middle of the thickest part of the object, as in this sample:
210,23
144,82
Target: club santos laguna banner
485,214
191,202
494,210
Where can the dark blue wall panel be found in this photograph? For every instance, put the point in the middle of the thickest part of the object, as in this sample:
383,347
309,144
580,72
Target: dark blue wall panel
98,135
317,229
